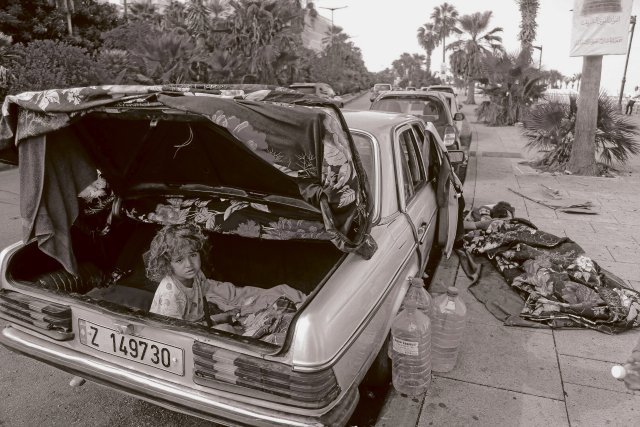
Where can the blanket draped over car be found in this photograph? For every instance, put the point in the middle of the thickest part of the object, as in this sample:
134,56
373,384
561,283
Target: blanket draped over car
301,136
561,286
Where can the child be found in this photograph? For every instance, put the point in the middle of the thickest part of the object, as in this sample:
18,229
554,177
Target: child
174,260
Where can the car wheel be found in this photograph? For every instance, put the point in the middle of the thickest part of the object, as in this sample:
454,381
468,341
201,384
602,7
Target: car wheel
379,374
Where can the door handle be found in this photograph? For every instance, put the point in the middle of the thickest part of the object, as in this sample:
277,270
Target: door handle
422,229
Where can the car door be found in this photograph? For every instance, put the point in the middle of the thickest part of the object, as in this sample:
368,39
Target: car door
417,197
444,182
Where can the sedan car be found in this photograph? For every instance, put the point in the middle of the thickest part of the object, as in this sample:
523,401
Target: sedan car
429,106
464,129
321,90
379,88
289,192
442,88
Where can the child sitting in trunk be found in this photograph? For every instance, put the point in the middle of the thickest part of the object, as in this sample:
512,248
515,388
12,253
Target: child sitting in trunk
175,260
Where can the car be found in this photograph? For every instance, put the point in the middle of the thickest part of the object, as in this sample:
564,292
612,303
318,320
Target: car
461,123
410,88
430,106
323,90
442,88
378,88
343,206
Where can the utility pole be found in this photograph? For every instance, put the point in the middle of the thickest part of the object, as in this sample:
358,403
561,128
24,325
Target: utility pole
624,75
332,9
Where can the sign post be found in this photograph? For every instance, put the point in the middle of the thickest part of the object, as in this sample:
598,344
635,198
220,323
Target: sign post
600,28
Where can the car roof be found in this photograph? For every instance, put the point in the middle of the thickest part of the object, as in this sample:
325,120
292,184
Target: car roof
375,122
409,93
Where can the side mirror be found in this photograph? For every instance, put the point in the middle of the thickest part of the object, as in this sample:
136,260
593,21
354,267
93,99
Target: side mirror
458,117
457,157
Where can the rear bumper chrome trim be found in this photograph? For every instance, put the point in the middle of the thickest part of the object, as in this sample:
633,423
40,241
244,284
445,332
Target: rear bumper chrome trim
175,397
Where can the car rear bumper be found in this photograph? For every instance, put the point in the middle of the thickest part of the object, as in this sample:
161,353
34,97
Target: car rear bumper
176,397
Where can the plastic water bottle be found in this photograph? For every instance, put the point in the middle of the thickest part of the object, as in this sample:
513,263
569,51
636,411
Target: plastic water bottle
422,298
419,294
411,349
448,323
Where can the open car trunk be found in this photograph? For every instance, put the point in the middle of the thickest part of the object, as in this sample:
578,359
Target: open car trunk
277,187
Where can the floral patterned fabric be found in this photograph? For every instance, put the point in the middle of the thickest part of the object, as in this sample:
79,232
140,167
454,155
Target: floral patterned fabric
301,136
226,216
561,285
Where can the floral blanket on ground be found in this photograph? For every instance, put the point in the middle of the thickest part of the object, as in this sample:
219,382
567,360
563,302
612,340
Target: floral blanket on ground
561,286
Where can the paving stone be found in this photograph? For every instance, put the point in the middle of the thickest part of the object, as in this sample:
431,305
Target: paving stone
399,410
454,403
635,284
631,218
602,216
591,373
596,345
597,253
495,356
588,406
625,252
624,270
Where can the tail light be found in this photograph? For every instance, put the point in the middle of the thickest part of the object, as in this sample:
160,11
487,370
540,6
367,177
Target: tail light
218,368
53,320
449,136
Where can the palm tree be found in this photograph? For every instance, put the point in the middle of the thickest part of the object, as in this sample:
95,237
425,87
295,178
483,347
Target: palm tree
428,38
444,18
478,43
528,26
197,18
68,7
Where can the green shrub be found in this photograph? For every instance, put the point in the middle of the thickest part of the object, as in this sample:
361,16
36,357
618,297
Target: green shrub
550,128
48,64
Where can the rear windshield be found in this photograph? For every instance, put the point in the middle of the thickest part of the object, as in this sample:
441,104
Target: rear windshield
427,108
443,89
381,87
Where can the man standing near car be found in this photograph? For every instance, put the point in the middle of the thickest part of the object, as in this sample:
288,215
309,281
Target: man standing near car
632,100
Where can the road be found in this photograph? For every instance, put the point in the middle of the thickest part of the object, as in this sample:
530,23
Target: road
35,394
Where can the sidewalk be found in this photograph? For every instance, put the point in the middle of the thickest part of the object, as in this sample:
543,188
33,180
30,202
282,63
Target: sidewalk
510,376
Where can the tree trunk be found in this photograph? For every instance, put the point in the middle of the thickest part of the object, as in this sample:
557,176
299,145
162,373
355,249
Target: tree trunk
471,91
429,63
583,152
69,8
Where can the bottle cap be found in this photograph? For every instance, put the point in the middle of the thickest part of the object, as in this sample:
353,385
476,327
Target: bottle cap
618,372
452,291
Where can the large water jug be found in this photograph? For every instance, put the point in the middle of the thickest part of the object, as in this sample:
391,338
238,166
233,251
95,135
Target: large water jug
411,349
419,294
448,323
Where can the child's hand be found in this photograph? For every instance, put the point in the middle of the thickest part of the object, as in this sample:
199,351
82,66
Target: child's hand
226,317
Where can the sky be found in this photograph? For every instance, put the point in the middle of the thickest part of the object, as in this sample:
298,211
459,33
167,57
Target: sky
384,29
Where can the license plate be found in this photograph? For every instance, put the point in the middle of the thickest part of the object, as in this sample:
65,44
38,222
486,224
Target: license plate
138,349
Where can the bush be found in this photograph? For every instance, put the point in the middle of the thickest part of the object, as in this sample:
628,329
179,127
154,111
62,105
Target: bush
48,64
550,128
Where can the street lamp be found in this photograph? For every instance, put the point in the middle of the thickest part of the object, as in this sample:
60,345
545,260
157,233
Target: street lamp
540,60
332,9
624,75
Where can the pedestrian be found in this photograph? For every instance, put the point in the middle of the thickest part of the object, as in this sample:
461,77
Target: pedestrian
632,100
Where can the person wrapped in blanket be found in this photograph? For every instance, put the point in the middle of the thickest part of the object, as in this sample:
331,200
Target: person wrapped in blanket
175,260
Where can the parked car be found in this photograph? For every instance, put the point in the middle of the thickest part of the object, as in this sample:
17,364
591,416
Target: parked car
464,129
410,88
442,88
346,233
429,106
377,89
321,90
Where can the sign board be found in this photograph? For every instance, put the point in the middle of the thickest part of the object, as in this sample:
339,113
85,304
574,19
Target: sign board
600,27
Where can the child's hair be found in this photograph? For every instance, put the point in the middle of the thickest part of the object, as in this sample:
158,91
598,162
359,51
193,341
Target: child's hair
170,242
502,210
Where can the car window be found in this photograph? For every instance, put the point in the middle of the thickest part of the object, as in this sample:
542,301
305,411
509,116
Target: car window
381,87
428,108
326,91
412,171
429,152
364,145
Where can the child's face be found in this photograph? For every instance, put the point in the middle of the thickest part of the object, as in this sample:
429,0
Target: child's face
186,265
